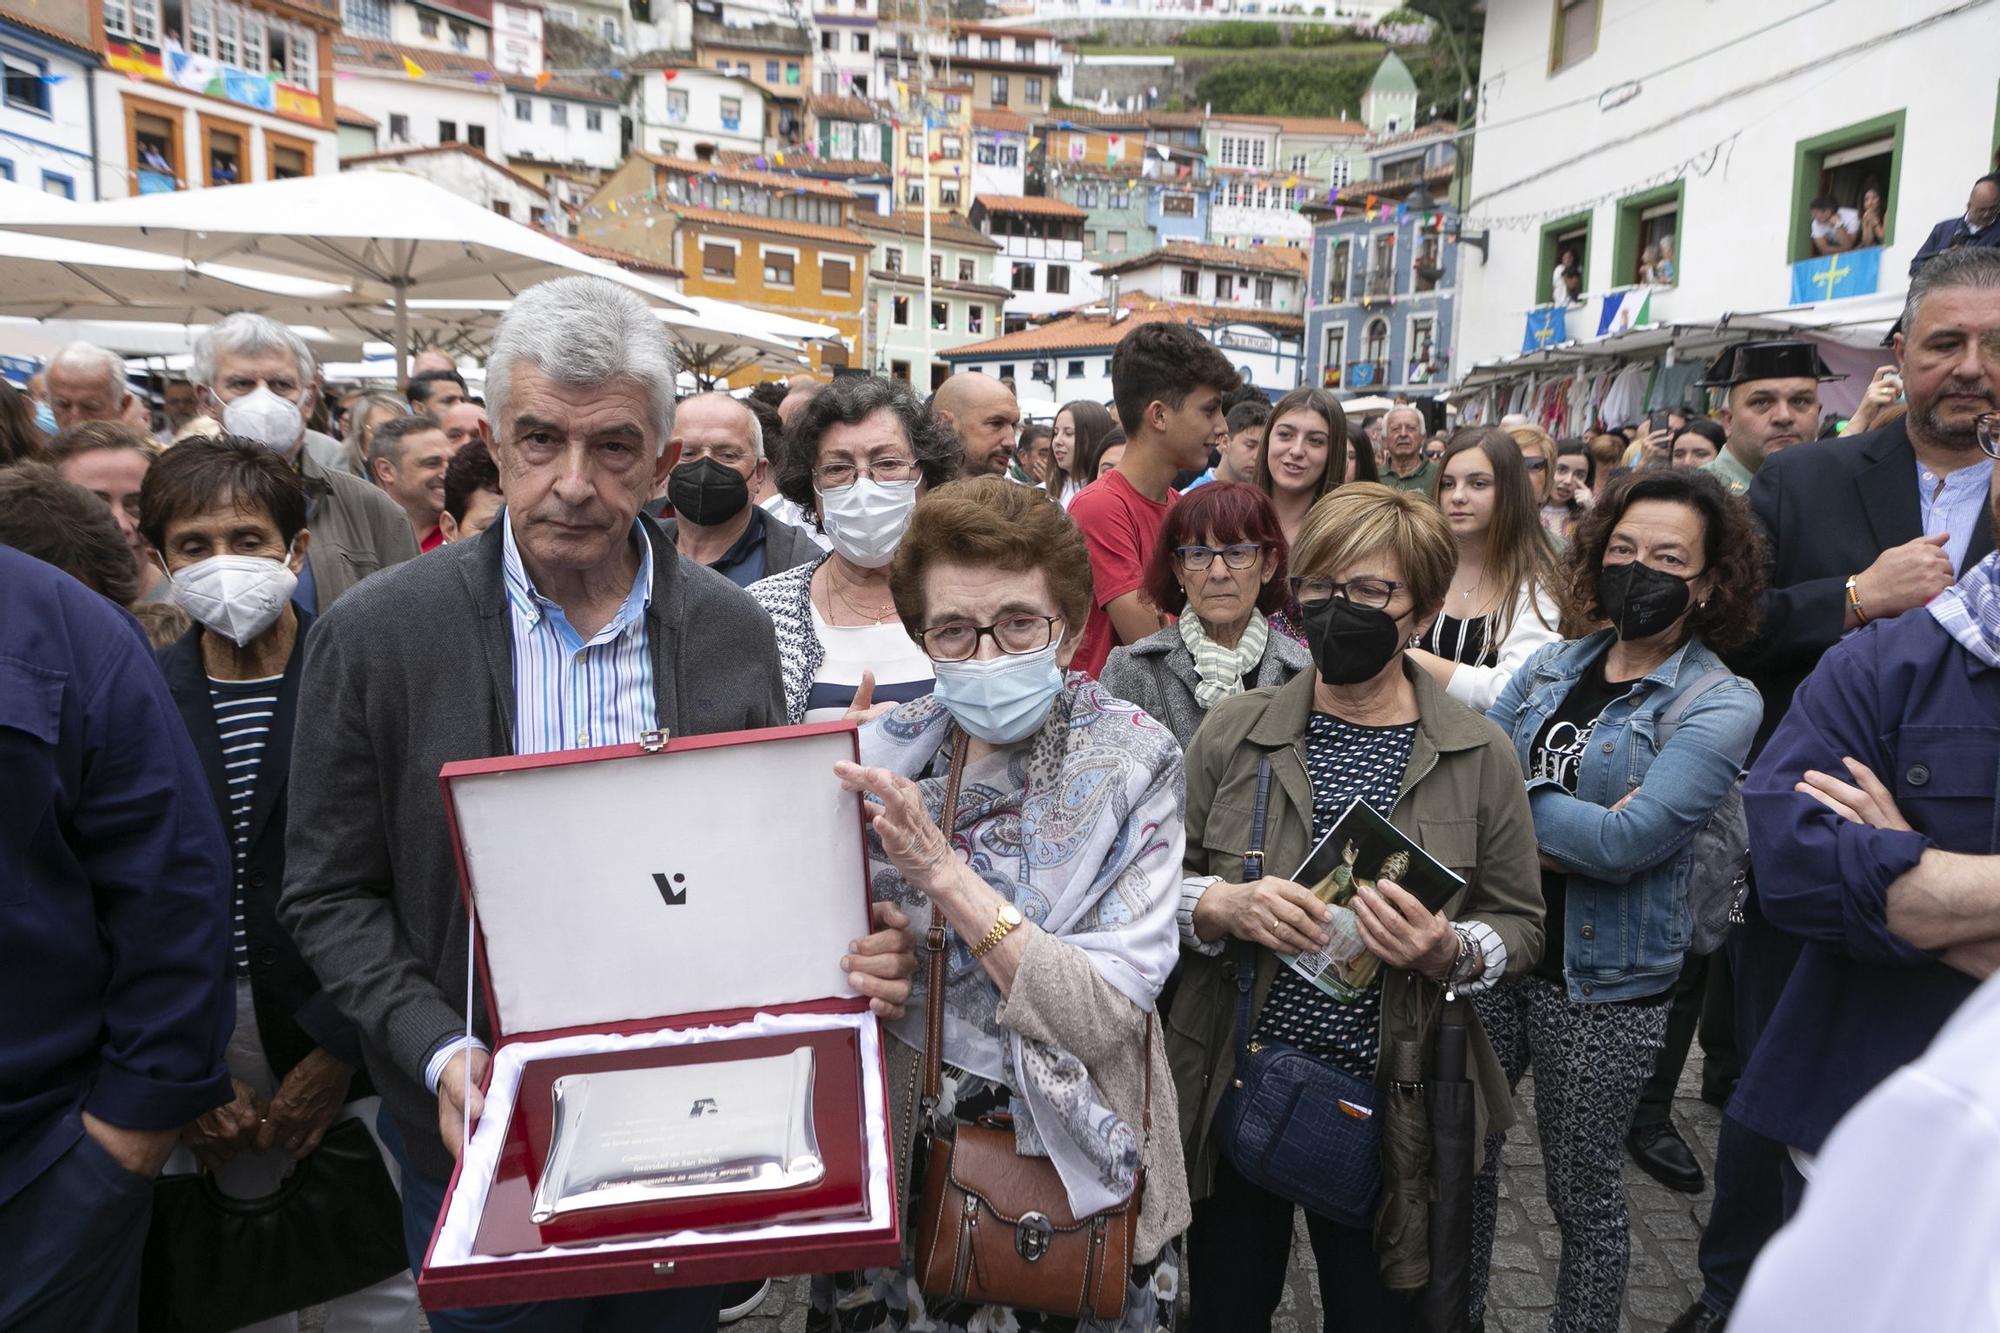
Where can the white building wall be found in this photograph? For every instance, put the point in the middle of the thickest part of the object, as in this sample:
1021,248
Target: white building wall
406,28
473,181
1729,123
1040,255
517,39
657,132
999,177
1163,282
1041,400
424,104
575,141
42,151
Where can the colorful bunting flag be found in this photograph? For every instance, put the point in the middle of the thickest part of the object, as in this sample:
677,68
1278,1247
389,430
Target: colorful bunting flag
542,80
412,68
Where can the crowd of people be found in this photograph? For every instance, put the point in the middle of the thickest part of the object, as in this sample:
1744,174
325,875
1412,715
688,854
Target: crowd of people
1723,677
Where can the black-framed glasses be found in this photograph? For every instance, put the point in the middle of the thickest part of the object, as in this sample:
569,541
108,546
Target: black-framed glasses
1012,635
1313,590
1987,427
1243,555
834,476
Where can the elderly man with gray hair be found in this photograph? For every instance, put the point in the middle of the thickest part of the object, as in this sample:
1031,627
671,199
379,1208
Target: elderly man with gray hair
86,383
570,622
257,378
718,461
1403,442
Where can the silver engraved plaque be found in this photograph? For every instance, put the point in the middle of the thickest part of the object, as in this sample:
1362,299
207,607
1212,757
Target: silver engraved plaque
634,1136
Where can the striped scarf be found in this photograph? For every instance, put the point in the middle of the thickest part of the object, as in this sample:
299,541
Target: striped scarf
1969,610
1222,669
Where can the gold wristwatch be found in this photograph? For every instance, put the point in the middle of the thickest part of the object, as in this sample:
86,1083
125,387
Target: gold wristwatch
1003,926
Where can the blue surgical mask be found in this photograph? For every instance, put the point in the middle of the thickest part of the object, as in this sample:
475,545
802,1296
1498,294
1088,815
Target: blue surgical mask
45,417
1002,699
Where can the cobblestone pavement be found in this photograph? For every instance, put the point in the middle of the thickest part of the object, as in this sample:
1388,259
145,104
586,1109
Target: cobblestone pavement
1665,1228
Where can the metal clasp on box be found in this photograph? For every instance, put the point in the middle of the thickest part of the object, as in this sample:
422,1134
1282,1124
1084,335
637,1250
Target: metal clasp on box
652,742
1032,1235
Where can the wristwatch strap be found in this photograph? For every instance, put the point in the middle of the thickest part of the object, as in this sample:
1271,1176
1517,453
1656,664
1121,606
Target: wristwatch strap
1002,928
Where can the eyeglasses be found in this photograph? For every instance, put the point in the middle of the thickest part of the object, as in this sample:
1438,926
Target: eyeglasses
1243,555
1012,635
1534,464
1311,590
834,476
1987,426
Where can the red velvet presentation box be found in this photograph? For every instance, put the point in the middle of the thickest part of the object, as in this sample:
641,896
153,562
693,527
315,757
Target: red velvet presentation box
638,906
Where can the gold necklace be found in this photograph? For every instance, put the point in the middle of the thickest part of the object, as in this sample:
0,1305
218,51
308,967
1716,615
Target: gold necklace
872,617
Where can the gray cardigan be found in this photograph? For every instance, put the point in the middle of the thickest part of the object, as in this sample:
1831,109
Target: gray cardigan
408,672
1157,673
356,529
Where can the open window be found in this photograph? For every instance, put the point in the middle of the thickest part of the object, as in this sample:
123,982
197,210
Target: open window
1845,166
1565,244
1646,250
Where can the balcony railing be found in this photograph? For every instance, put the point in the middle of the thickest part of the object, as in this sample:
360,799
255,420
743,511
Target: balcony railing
1379,284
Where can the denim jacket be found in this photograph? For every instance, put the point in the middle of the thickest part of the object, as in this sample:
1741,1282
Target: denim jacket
1625,922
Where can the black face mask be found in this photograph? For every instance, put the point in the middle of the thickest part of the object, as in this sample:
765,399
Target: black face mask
1639,600
706,492
1350,643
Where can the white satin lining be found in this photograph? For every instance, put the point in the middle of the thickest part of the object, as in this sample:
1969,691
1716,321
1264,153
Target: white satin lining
453,1247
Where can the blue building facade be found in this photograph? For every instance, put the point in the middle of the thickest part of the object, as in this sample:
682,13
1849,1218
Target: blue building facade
1383,275
1177,208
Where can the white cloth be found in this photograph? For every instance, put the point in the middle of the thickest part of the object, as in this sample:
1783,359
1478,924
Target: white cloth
786,511
902,672
1849,220
1477,686
1901,1223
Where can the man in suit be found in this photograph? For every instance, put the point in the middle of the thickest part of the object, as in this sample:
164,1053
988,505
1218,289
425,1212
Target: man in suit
569,623
1980,224
719,462
1863,528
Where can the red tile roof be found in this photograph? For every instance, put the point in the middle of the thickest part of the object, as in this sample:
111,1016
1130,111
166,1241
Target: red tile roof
1032,206
948,228
525,83
1289,260
400,154
367,53
1002,122
1304,125
744,175
1073,333
348,115
624,259
828,107
806,231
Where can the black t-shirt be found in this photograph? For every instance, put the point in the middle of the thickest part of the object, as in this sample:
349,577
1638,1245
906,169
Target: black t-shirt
1557,753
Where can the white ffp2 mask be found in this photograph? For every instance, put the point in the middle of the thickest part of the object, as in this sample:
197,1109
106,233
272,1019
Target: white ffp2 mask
237,596
866,520
268,418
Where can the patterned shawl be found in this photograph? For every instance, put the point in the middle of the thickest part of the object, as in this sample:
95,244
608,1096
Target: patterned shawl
1080,827
1969,610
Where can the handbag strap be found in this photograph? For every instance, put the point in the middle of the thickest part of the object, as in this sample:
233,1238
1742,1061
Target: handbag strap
1685,698
1253,869
934,945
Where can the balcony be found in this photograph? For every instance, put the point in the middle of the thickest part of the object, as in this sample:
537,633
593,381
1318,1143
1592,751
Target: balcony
1366,374
1380,285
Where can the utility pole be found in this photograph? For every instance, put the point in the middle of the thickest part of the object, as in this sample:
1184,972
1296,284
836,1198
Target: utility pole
930,185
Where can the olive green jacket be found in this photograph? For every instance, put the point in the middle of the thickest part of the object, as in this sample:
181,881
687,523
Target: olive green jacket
1464,802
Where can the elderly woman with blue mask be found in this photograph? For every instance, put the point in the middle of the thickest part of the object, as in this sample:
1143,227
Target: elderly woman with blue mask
1054,880
855,460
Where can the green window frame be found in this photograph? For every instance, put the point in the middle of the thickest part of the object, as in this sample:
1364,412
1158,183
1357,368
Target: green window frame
1809,159
1545,261
1560,57
1625,239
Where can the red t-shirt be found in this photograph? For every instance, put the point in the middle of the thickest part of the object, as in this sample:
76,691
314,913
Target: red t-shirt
1121,527
432,542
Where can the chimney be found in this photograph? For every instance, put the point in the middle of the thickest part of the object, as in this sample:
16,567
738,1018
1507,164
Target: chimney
1111,293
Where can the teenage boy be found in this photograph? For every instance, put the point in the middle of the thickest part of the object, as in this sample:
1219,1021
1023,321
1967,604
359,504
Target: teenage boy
1167,383
1238,458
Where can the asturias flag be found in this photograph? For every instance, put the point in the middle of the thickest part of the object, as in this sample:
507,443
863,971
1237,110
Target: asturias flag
1622,310
1830,277
1546,328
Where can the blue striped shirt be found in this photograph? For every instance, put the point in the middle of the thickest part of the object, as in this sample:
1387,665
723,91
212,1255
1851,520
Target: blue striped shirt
568,693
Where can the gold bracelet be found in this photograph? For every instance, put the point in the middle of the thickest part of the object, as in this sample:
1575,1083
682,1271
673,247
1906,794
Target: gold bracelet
1854,600
1003,926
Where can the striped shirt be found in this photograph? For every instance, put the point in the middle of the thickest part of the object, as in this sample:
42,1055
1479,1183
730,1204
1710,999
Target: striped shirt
569,693
244,710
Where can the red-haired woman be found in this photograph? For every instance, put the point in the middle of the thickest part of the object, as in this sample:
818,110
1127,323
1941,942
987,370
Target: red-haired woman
1220,566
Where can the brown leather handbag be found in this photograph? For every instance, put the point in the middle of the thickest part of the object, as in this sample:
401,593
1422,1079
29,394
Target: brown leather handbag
994,1227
